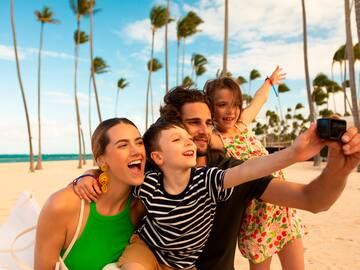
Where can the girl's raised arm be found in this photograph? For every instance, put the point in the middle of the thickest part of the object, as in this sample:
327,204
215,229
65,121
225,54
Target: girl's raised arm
261,96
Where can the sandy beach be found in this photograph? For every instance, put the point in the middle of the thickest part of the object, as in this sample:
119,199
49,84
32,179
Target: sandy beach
333,241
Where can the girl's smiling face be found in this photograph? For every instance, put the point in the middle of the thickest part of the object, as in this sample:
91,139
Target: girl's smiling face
226,109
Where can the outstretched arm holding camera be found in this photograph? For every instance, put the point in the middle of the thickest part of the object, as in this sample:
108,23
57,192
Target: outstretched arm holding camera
323,191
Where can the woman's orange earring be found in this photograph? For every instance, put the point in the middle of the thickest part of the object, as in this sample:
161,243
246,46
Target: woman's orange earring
103,178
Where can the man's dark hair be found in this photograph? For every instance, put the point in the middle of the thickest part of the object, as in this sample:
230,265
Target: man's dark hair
176,98
152,135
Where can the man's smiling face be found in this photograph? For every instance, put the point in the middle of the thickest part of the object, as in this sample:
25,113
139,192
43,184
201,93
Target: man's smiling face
196,118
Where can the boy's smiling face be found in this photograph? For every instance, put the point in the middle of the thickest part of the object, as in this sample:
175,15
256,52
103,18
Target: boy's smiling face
177,149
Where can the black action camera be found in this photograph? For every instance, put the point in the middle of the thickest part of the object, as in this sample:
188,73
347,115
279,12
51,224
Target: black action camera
331,129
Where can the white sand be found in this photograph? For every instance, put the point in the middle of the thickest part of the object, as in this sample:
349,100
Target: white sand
333,241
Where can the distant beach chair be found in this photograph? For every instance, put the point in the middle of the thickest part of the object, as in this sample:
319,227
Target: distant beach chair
17,234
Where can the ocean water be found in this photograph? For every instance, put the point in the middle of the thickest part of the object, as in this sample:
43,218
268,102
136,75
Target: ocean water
46,157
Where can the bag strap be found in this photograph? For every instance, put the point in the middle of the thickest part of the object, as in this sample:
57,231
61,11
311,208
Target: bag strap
77,232
13,251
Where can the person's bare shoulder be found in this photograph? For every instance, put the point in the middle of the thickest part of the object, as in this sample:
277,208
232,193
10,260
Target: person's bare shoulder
216,142
63,203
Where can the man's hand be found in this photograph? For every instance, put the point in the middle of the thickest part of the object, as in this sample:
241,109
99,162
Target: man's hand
87,188
307,145
344,156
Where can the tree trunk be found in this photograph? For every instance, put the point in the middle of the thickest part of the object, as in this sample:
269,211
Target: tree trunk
31,153
116,101
317,160
357,16
344,84
151,102
226,18
39,157
177,62
149,79
249,86
92,66
280,109
75,91
166,49
183,62
350,54
90,131
83,147
333,94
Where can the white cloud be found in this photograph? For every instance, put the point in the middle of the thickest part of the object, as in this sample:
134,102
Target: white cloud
63,98
140,31
7,53
254,20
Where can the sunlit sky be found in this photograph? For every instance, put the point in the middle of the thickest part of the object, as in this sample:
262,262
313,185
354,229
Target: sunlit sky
262,34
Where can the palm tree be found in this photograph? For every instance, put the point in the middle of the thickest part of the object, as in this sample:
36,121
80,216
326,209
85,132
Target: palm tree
154,65
81,8
322,81
187,82
357,16
121,84
340,57
307,76
241,80
350,54
159,17
89,11
247,98
319,96
80,37
166,48
226,29
31,153
282,88
220,74
186,27
198,62
98,66
44,16
254,74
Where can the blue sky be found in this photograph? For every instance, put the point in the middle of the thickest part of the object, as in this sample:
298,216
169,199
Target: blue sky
262,35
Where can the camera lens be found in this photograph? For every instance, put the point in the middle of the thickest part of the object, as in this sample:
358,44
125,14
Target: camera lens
323,128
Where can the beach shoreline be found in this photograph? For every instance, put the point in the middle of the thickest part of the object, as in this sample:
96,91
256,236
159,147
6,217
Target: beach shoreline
333,241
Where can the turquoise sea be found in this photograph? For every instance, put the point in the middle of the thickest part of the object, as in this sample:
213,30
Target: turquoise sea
46,157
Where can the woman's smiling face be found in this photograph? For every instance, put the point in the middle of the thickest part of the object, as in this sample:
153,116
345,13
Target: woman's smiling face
125,154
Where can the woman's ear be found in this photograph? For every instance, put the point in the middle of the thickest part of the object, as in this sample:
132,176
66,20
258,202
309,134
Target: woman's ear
100,161
157,158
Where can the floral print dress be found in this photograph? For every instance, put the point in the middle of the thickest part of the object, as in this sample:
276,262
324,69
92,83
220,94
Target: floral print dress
266,228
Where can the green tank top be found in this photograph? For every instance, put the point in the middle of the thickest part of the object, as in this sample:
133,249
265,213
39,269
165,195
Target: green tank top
102,241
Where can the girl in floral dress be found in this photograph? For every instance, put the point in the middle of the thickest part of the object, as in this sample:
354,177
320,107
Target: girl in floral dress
266,229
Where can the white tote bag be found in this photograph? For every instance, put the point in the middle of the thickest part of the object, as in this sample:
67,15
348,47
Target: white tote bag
17,234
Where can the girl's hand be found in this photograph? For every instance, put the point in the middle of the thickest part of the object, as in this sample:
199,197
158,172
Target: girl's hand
277,76
87,188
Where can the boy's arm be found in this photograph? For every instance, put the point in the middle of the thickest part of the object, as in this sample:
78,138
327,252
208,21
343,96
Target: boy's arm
261,96
305,146
87,187
323,191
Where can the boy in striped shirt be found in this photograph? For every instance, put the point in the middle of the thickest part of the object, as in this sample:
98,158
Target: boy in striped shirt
181,200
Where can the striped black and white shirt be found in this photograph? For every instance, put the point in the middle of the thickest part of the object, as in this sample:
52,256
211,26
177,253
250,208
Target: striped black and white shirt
176,227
